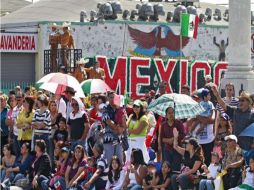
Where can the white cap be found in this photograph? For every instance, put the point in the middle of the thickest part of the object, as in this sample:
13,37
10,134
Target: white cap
208,77
231,137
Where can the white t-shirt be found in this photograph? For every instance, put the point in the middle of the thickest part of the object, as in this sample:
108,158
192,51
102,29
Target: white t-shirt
206,136
249,180
61,107
116,184
213,170
14,115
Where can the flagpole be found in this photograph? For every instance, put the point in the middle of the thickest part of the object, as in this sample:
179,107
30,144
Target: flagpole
181,38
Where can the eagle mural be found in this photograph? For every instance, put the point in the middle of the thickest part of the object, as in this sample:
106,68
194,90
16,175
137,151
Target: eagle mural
152,43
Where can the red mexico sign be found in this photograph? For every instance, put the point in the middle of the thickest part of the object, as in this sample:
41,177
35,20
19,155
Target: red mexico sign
19,42
135,75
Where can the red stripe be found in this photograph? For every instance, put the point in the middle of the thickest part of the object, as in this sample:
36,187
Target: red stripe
196,27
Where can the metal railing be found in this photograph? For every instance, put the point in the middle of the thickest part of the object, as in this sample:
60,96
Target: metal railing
53,60
6,86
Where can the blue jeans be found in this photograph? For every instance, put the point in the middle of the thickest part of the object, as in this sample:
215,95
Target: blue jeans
111,150
3,175
18,177
173,157
135,187
206,184
16,145
184,182
45,137
43,182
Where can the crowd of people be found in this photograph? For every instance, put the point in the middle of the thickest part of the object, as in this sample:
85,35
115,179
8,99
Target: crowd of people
63,142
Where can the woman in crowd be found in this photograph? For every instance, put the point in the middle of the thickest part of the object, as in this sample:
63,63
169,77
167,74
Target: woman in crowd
24,120
41,168
41,122
192,161
232,162
166,139
137,128
54,115
12,104
115,175
22,164
75,167
136,172
7,162
4,128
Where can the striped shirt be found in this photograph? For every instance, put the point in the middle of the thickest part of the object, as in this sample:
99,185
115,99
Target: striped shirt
44,118
233,102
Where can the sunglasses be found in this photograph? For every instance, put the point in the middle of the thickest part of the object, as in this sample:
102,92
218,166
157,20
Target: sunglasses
136,106
74,104
243,100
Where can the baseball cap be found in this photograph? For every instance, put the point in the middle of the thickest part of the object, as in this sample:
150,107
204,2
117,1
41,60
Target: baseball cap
231,137
138,103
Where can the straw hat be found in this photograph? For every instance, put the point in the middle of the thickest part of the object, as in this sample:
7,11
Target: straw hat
245,95
54,25
82,61
66,25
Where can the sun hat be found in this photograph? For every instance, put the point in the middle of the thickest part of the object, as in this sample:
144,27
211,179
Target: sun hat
245,95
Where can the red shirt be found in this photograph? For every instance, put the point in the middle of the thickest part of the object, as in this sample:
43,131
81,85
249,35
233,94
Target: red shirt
167,132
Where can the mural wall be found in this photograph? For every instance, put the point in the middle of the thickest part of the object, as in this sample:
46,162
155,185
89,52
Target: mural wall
159,40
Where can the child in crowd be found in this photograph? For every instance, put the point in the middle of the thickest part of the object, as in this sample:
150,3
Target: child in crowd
208,107
211,172
115,175
162,179
87,173
147,182
218,147
61,133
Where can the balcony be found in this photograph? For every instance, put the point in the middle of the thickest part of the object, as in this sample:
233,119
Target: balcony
53,60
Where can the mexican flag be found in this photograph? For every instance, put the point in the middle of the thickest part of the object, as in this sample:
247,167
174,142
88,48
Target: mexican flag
189,25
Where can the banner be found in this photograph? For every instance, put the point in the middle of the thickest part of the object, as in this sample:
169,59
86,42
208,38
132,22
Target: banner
136,75
19,42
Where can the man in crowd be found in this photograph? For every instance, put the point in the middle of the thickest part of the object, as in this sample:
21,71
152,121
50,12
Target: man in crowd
69,94
242,117
162,89
95,72
80,73
111,144
185,90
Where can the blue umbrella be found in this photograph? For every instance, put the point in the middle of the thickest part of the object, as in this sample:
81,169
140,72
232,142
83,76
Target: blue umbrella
248,132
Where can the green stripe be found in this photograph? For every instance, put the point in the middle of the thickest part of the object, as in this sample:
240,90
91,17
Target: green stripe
185,25
86,87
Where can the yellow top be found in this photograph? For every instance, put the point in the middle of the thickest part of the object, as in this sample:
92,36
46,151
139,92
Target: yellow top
25,134
134,124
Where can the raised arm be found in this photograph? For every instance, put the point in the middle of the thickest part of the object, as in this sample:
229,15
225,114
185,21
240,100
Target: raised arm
219,99
179,149
214,41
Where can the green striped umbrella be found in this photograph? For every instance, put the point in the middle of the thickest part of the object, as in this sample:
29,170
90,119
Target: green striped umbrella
92,86
184,106
44,79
